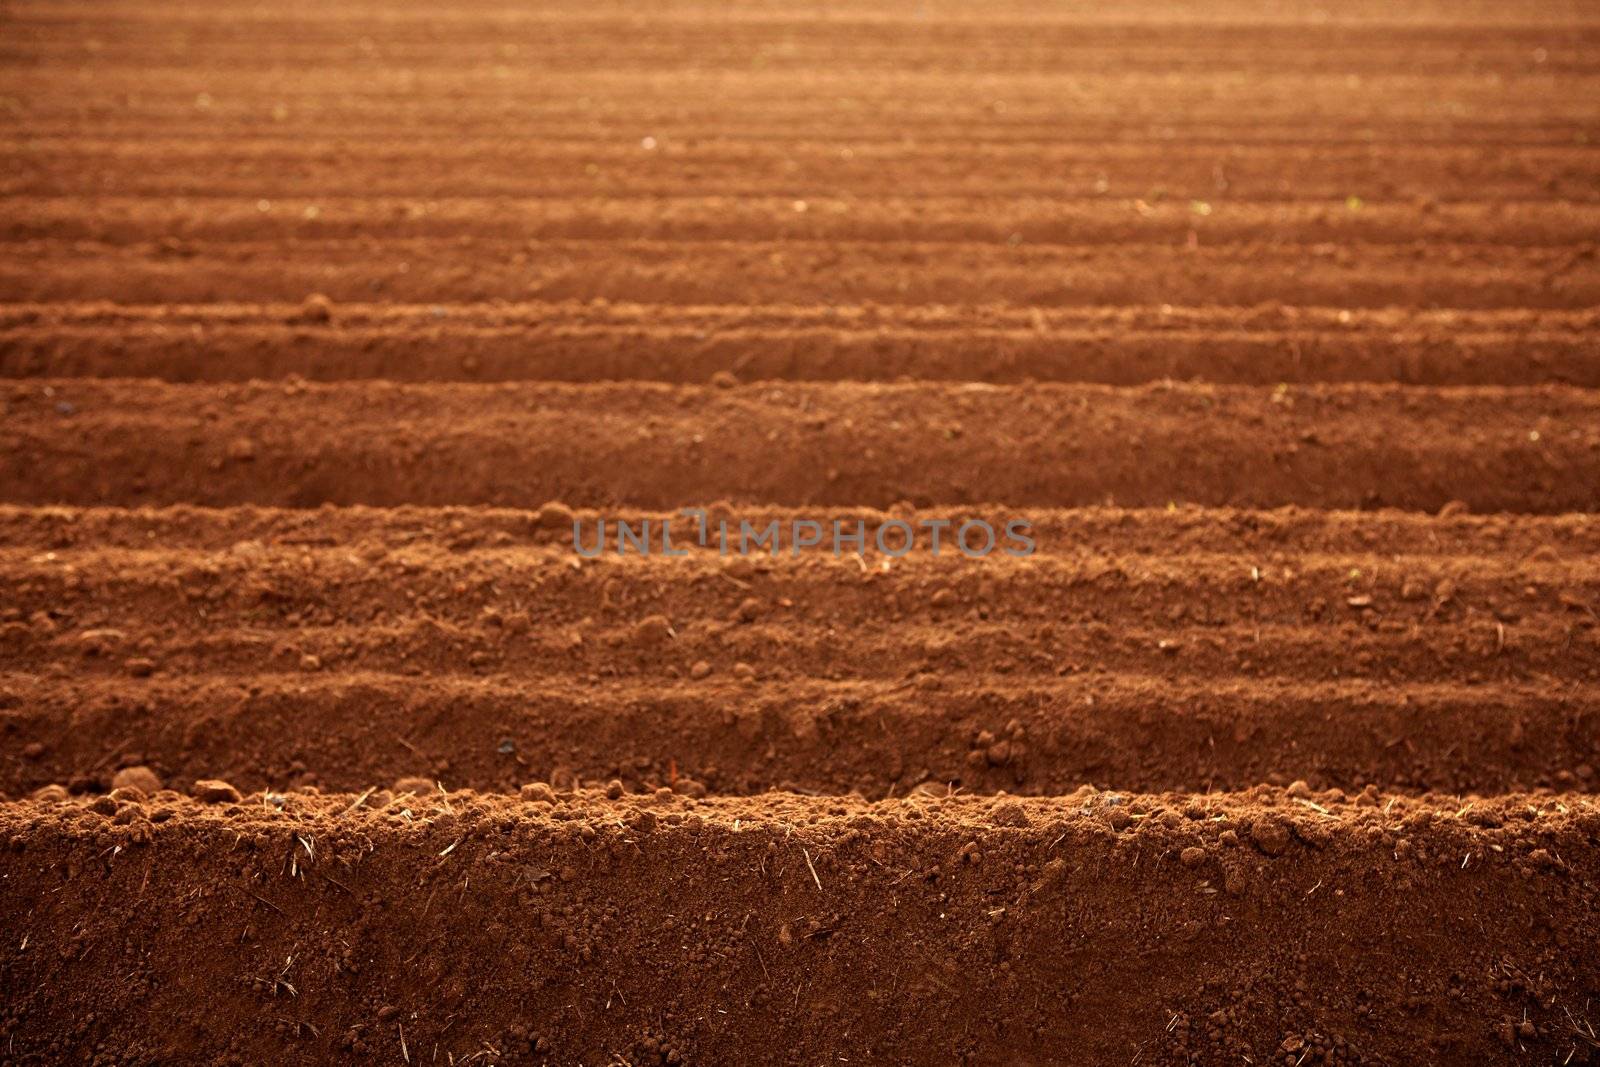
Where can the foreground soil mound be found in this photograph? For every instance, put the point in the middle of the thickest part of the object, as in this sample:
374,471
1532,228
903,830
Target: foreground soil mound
575,928
326,326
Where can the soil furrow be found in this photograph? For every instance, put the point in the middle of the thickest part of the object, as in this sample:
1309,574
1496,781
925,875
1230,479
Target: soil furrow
1520,450
192,227
509,610
953,128
464,270
582,343
1280,535
1552,651
961,731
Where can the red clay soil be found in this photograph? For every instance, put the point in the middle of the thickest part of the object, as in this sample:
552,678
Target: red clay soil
323,322
1099,927
1529,449
584,342
1190,649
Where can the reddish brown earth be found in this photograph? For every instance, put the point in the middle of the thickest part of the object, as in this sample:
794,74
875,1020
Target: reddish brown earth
321,322
1092,927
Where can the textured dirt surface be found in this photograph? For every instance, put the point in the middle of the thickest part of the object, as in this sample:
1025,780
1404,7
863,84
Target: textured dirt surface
1492,449
582,342
580,930
1191,649
321,324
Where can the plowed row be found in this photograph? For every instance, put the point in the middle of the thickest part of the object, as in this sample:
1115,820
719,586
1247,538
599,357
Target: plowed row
1155,652
779,271
587,342
329,330
1491,449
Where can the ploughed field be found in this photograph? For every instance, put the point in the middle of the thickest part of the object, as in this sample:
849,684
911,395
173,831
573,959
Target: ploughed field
322,323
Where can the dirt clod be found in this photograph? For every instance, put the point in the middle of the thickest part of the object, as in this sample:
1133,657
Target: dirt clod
1269,834
555,515
652,630
141,778
539,792
316,309
215,791
1009,813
